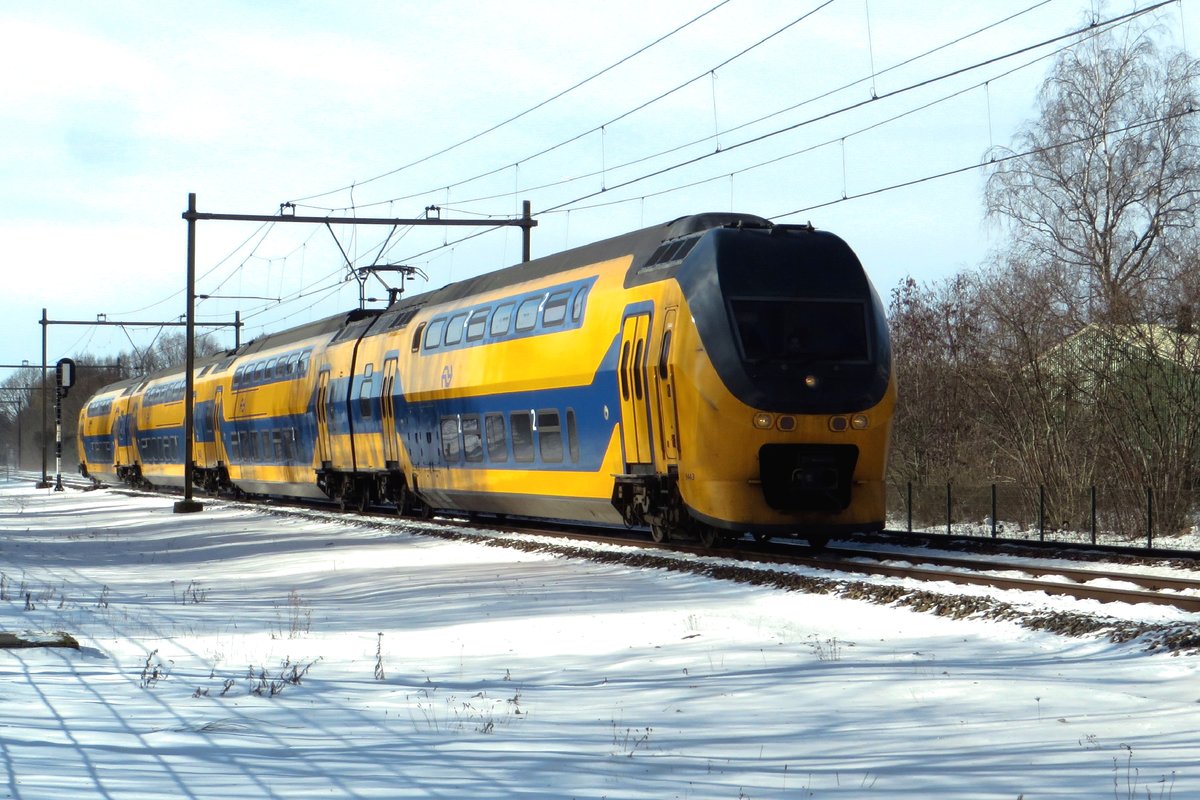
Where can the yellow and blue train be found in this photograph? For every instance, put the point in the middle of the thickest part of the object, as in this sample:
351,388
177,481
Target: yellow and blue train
709,377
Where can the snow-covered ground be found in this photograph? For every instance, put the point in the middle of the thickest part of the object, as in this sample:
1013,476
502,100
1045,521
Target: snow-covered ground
238,653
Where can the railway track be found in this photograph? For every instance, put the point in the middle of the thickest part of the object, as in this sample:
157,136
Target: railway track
1085,584
1009,573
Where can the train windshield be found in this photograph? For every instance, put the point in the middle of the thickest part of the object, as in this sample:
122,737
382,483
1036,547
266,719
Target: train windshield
800,330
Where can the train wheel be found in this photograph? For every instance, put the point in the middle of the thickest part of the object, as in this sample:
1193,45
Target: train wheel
710,537
659,533
404,501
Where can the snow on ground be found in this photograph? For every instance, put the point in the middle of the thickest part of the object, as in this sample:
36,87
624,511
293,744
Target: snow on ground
237,653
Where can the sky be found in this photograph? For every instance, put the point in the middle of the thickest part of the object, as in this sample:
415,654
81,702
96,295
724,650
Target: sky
606,117
248,653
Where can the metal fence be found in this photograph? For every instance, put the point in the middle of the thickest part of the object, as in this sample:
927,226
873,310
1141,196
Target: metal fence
1096,515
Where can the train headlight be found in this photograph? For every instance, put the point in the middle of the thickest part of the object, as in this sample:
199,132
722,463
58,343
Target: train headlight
859,422
763,420
786,423
838,423
810,381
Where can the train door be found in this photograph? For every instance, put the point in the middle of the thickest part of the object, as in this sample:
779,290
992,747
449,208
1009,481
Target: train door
664,380
635,418
426,447
323,418
218,412
388,406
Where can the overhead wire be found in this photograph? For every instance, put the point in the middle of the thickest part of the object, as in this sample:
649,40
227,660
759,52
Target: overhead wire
842,137
995,160
594,129
231,254
388,248
527,111
701,140
566,207
844,109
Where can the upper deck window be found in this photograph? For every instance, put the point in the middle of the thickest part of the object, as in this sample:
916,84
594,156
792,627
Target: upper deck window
433,333
556,308
527,313
454,328
477,324
501,319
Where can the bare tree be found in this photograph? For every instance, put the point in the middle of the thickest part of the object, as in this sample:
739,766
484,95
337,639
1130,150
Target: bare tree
166,352
1107,188
936,339
1091,302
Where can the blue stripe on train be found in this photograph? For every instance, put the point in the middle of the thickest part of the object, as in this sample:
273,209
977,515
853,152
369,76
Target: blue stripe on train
290,440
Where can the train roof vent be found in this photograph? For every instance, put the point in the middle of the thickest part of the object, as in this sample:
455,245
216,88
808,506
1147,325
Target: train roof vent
673,250
404,317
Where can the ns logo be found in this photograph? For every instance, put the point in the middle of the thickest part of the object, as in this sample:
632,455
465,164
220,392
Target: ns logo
447,376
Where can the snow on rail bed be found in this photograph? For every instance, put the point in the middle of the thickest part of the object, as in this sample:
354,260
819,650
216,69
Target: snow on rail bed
233,653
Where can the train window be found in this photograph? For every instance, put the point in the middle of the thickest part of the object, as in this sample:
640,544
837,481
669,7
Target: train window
416,342
477,324
625,371
527,313
577,306
277,445
521,425
497,442
556,308
664,355
269,371
454,329
550,444
472,442
637,369
572,436
258,373
501,320
364,392
451,444
433,333
800,330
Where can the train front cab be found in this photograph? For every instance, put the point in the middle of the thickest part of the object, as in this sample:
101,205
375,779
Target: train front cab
785,436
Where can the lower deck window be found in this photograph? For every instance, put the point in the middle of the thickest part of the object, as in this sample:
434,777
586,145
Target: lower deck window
521,424
472,441
451,445
497,439
550,444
